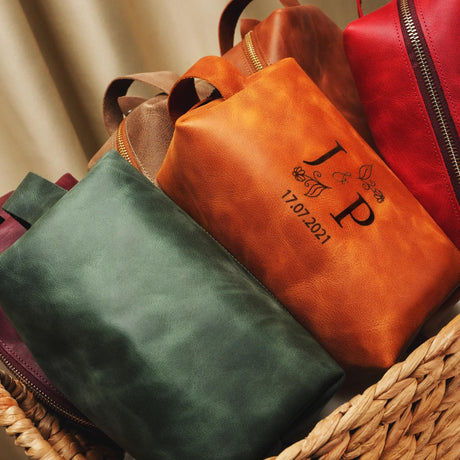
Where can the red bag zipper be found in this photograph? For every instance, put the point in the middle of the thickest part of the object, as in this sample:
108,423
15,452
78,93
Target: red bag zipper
430,87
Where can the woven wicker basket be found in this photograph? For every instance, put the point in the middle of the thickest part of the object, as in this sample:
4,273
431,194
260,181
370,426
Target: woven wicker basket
413,412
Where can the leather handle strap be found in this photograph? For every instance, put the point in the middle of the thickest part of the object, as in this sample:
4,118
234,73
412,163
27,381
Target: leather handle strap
112,113
229,19
33,197
216,71
360,8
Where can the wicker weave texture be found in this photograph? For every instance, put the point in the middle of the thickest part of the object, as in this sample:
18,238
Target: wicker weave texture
41,433
413,412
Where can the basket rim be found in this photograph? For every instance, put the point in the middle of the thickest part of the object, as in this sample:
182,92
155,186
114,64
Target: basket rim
397,387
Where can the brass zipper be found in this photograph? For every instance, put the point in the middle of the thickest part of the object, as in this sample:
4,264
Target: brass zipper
251,52
123,146
432,92
40,395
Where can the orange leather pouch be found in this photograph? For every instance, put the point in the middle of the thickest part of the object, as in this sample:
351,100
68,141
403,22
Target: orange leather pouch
276,174
305,33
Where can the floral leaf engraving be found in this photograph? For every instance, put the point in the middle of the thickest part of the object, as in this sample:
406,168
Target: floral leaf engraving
314,186
378,196
299,174
365,172
364,175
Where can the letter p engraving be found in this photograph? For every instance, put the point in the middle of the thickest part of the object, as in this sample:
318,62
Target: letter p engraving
349,212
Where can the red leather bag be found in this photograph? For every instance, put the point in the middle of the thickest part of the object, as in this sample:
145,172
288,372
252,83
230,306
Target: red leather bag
278,176
405,58
304,33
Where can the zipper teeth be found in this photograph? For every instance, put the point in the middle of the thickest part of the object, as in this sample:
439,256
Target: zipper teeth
252,51
122,150
44,397
430,86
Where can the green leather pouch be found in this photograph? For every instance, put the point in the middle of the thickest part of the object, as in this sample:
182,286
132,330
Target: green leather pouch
153,330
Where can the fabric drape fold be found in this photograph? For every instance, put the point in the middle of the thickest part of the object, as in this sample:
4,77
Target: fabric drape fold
58,57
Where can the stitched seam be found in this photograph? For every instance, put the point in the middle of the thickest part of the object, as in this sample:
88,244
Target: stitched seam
251,275
18,358
242,50
440,71
260,50
415,88
146,173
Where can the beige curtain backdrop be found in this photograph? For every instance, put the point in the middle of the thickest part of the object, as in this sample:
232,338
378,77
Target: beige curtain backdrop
58,56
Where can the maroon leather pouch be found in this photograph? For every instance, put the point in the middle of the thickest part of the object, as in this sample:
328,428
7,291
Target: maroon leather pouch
13,352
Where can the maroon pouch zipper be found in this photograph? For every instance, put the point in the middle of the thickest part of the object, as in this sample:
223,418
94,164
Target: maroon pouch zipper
18,360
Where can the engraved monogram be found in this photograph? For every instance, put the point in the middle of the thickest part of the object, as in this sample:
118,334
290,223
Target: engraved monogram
315,187
364,175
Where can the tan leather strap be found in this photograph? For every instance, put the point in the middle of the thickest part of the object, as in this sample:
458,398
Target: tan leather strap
112,113
216,71
289,3
229,19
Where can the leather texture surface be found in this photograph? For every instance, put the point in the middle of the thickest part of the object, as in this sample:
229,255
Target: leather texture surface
147,133
393,103
33,196
306,34
113,113
10,228
146,127
155,331
12,347
143,126
281,179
